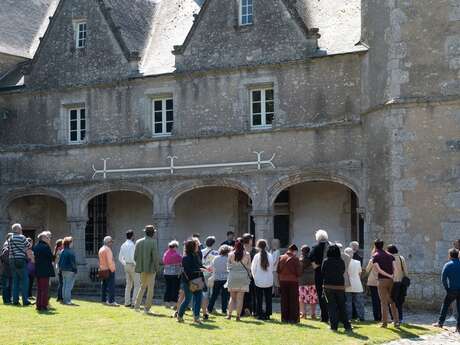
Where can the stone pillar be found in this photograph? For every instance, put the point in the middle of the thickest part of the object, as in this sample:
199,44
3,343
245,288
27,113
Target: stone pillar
4,229
77,228
264,225
165,228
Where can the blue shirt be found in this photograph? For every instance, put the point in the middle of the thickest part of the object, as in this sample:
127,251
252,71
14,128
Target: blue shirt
451,275
67,261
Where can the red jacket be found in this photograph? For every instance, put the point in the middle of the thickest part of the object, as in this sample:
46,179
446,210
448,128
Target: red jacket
289,269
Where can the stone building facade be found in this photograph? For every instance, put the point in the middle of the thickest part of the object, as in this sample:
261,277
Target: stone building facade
354,110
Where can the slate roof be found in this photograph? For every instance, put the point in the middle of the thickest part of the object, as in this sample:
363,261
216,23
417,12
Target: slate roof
22,22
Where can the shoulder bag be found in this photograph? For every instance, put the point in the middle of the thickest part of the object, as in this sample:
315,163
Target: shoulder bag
405,281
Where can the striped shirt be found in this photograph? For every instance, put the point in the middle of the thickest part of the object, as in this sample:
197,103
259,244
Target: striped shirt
18,247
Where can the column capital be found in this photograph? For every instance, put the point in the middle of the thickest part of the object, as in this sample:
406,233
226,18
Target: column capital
262,213
77,220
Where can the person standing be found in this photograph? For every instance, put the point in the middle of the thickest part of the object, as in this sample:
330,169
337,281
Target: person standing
192,276
249,304
147,265
172,270
126,258
354,245
333,270
44,269
107,264
230,241
262,271
289,272
384,264
220,274
372,284
6,271
354,292
275,252
317,255
208,254
30,266
239,278
58,248
307,289
450,278
399,291
68,268
17,255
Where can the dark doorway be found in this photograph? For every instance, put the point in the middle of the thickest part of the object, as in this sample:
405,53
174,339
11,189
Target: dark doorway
30,233
281,225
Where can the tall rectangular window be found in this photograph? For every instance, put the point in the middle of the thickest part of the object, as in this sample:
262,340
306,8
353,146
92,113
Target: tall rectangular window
163,116
262,108
77,125
80,34
96,227
245,12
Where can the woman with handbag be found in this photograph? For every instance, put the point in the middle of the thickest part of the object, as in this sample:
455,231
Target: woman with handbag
399,290
239,278
192,282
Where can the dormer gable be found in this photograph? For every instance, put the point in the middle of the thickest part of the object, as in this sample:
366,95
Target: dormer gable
230,33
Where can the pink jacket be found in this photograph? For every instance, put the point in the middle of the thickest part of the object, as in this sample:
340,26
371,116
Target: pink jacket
172,257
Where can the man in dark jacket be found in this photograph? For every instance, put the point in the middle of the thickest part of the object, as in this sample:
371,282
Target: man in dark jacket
43,268
451,282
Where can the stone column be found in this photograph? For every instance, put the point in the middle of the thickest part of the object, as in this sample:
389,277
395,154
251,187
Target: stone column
165,228
264,225
77,228
4,229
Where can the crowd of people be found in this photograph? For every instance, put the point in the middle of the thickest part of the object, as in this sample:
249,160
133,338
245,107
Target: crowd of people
243,274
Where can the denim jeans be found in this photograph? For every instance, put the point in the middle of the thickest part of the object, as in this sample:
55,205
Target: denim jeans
108,289
219,288
197,297
376,310
356,300
68,280
20,278
6,288
59,290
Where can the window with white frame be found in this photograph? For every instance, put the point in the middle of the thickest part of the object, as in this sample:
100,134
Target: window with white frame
163,116
80,34
262,107
77,125
246,12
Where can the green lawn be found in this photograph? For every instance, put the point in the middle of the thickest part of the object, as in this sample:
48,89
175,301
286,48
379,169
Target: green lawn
95,324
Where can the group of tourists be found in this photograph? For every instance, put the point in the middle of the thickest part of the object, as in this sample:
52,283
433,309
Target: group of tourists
245,277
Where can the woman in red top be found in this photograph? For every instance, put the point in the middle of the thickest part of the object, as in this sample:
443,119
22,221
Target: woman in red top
289,271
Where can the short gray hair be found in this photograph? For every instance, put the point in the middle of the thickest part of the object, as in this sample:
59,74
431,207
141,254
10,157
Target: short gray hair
46,234
321,235
173,244
354,244
348,251
16,227
107,239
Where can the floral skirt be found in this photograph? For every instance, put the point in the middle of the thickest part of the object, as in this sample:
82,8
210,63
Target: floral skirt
308,295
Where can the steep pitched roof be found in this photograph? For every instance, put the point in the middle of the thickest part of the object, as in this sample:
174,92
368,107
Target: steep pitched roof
22,22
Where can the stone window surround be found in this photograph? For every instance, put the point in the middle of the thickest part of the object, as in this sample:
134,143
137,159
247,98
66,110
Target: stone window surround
65,122
76,29
245,100
240,13
163,98
154,94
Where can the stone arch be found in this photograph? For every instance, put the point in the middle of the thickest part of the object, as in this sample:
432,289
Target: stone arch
188,186
99,189
291,180
24,192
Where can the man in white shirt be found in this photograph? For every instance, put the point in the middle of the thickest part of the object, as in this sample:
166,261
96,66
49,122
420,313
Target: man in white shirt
208,255
354,292
126,258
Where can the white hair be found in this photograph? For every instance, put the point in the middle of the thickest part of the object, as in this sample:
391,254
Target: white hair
46,234
16,227
107,239
348,251
173,244
321,235
354,244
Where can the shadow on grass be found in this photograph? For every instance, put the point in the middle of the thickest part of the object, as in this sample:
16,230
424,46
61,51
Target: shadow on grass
204,326
49,312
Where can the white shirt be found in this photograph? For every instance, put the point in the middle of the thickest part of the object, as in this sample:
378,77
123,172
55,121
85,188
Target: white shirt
276,257
262,278
126,255
354,269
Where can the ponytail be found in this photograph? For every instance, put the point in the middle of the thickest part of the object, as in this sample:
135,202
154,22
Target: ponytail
264,263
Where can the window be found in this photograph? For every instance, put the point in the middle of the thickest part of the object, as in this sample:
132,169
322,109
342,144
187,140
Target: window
163,116
77,125
80,34
96,227
245,12
262,108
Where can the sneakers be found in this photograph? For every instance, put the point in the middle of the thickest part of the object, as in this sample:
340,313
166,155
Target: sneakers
112,304
437,324
148,312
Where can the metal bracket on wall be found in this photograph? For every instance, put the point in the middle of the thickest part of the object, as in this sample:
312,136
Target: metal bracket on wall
172,167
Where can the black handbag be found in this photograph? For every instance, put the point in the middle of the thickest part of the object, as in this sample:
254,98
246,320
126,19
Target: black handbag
405,281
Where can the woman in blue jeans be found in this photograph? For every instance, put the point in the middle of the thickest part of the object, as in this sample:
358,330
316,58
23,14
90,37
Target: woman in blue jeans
192,269
68,267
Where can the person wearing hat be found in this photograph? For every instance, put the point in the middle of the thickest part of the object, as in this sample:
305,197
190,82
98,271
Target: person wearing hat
148,265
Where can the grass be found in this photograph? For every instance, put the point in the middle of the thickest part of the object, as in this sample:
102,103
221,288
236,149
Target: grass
94,324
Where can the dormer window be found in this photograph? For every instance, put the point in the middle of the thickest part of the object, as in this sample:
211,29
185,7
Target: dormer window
80,34
245,12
